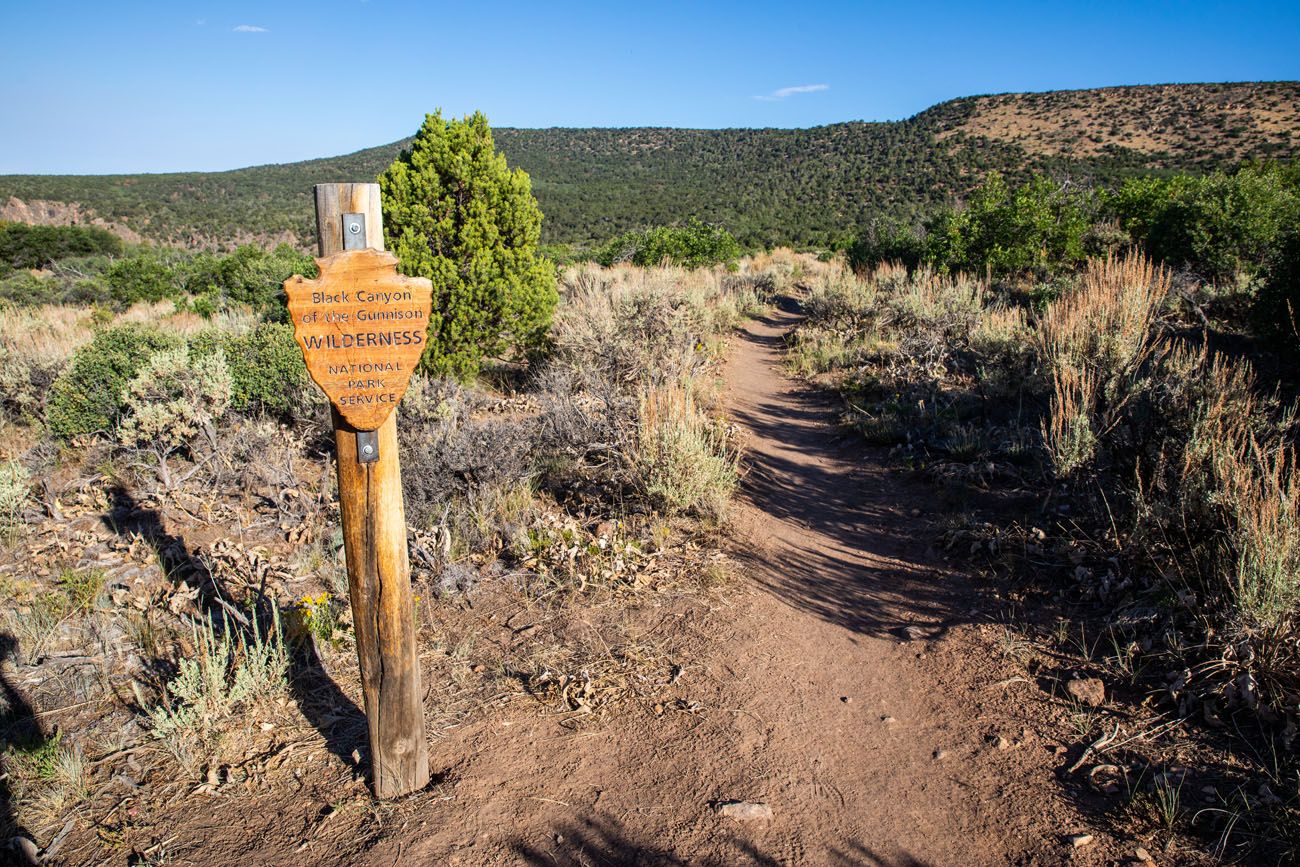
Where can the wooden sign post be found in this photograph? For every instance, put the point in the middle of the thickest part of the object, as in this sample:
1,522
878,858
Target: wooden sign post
362,328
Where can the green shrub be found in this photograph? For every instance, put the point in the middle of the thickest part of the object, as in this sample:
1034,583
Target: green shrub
24,246
77,280
227,675
1218,224
1277,306
1040,227
174,398
694,245
143,277
456,214
249,275
266,369
87,396
24,288
886,242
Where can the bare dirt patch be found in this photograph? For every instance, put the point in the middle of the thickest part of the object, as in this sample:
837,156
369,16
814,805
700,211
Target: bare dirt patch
851,684
847,698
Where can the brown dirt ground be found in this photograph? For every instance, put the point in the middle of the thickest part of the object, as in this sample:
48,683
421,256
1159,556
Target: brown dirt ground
849,678
871,746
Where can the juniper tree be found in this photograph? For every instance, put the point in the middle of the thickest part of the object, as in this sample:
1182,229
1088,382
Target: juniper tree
455,213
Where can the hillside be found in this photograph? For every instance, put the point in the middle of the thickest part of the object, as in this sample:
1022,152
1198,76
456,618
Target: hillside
801,186
1216,123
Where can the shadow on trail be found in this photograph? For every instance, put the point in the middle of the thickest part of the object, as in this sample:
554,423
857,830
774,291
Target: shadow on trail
849,553
338,719
599,841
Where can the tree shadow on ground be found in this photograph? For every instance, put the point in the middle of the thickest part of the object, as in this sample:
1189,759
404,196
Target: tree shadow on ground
338,719
1201,783
602,840
19,729
855,559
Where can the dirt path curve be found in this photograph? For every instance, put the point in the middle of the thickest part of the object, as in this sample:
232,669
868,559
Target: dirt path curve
850,687
885,724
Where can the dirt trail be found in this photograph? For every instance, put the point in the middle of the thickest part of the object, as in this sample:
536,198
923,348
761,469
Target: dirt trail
872,746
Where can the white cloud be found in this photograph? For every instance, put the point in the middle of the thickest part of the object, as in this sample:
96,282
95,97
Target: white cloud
782,93
250,28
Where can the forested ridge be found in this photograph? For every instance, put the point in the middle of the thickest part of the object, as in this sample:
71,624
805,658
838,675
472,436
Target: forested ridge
806,187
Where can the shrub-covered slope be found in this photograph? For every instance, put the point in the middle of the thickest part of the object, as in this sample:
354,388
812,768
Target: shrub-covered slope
802,186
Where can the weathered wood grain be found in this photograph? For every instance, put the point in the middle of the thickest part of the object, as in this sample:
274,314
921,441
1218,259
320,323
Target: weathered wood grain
374,537
361,327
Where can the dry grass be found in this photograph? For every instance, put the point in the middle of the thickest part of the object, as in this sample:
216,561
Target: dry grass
47,778
1217,506
35,344
1097,341
682,459
651,324
1195,468
165,315
1251,479
1105,323
1262,493
1068,429
50,331
920,356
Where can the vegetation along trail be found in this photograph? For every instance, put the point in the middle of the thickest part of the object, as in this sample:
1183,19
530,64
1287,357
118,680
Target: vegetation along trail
849,687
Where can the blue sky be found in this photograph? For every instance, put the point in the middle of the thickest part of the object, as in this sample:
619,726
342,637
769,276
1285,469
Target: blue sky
131,87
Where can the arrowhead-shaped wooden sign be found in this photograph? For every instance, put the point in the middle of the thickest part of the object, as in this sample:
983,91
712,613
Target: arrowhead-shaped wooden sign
362,328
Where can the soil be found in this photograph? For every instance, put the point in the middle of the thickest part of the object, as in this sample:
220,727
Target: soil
850,678
851,686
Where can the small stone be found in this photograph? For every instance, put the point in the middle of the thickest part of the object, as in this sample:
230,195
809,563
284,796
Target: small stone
999,743
846,699
266,727
745,811
479,669
915,513
913,633
26,849
1089,690
356,757
939,755
125,780
888,720
1080,840
1143,855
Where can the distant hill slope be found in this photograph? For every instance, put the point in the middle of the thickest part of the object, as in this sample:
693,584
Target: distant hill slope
803,186
1225,122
